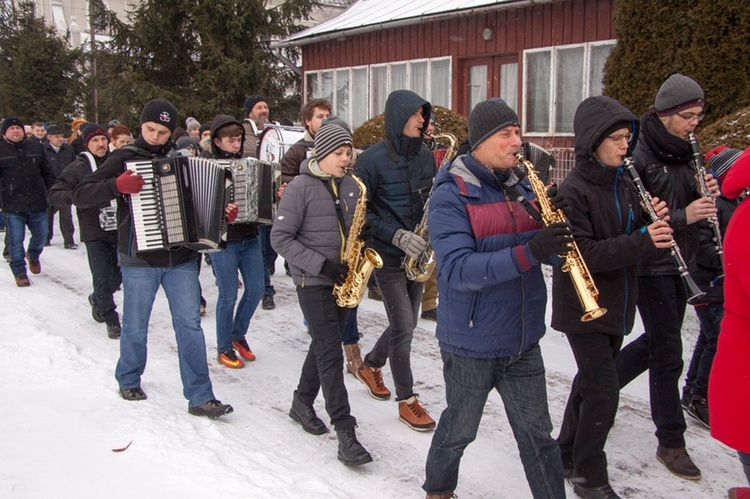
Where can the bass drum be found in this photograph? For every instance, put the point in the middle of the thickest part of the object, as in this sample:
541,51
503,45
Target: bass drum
276,140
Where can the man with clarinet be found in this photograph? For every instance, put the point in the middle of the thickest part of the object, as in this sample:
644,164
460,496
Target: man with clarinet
663,161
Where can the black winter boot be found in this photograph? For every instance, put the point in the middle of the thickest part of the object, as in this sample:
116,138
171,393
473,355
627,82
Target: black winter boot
351,452
305,415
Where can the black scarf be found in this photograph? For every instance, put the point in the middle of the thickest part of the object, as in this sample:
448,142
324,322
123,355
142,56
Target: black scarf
665,146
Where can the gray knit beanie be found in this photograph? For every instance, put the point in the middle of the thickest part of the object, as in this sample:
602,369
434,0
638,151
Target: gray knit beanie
329,138
677,93
489,117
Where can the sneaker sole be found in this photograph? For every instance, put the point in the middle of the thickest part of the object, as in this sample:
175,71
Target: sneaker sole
231,365
369,390
417,428
697,419
311,431
248,358
694,478
360,462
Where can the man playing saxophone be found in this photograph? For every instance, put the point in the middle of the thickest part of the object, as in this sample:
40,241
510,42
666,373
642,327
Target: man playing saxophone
315,215
493,300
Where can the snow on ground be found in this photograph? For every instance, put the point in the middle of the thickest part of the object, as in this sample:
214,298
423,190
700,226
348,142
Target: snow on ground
61,416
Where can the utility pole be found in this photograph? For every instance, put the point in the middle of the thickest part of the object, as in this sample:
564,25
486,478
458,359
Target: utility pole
92,32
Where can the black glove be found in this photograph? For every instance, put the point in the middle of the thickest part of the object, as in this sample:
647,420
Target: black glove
552,240
335,271
558,200
366,233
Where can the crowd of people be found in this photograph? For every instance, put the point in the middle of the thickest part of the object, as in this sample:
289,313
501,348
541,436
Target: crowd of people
635,207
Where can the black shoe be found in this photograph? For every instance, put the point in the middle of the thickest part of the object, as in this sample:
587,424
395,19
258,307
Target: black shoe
71,246
687,397
602,492
678,462
430,315
113,331
305,415
213,409
133,393
268,303
95,312
698,409
351,452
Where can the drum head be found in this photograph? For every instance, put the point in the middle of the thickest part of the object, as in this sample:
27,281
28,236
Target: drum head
275,141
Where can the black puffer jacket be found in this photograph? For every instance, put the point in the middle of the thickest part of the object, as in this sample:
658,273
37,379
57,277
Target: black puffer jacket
663,162
607,224
61,195
99,188
708,264
25,176
398,172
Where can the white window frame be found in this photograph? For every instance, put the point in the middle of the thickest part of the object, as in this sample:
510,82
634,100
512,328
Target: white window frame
553,80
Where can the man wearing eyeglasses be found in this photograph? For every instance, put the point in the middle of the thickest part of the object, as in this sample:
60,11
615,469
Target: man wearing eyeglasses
663,156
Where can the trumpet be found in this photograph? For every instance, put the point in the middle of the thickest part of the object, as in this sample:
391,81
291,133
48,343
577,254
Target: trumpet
574,264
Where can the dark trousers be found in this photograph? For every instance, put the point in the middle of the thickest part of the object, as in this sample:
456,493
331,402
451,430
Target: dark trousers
324,365
661,303
269,257
106,276
710,316
592,406
66,223
402,299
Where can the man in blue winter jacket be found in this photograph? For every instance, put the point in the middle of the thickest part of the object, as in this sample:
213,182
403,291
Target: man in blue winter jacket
489,249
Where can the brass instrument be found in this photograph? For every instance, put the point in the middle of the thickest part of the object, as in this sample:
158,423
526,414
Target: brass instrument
700,172
360,260
694,292
574,264
420,269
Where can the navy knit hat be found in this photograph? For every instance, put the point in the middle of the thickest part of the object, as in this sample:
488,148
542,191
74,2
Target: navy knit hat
11,121
489,117
677,93
329,138
160,111
89,131
251,101
721,159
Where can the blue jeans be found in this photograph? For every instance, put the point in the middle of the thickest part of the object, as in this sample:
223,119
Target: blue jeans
246,257
16,223
710,316
180,284
269,257
520,381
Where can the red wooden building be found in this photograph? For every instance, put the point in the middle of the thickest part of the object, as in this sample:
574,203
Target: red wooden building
542,56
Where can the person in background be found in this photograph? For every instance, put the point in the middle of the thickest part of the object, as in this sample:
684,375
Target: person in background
75,139
120,136
59,155
38,131
193,128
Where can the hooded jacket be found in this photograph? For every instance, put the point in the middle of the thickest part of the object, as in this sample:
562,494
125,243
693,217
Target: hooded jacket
61,195
99,188
492,292
235,232
398,173
307,231
25,176
607,223
729,384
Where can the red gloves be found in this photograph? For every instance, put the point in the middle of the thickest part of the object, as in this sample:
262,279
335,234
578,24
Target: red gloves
232,211
129,182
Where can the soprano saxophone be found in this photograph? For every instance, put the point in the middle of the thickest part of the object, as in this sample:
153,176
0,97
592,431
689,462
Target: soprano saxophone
360,260
574,264
420,269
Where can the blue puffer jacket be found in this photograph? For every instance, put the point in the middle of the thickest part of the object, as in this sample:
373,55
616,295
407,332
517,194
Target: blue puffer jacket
398,172
492,292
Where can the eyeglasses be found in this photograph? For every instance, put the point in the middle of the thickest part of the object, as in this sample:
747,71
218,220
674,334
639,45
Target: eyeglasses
619,138
692,117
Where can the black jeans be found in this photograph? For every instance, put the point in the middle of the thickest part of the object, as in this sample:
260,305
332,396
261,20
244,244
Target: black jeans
661,303
402,299
592,406
106,276
66,223
324,365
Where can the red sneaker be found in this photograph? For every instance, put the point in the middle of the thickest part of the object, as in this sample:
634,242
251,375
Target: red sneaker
229,359
244,349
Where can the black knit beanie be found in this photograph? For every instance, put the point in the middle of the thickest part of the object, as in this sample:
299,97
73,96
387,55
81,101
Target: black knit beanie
251,101
488,117
11,121
160,111
329,138
89,131
677,93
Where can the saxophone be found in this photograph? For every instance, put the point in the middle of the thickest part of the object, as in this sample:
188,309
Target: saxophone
360,260
574,264
420,269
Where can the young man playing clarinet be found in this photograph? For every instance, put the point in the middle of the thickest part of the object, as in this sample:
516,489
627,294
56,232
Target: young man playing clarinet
143,273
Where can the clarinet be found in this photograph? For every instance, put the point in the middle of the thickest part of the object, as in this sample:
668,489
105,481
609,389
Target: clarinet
700,172
694,292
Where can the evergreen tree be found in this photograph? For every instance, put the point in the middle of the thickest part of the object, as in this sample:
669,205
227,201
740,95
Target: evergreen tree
40,73
204,56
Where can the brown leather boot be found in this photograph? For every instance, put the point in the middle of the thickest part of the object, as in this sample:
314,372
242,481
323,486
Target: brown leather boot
413,415
678,462
353,358
373,380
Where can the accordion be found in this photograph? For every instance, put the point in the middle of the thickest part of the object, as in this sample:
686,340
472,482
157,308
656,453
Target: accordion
254,184
181,204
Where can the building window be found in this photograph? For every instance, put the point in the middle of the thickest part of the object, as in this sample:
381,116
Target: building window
556,80
359,93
